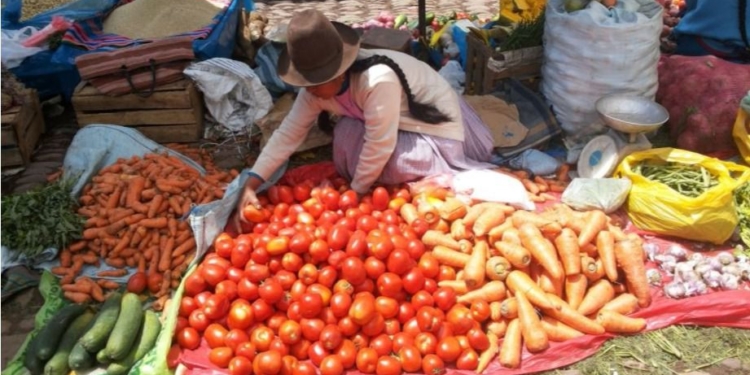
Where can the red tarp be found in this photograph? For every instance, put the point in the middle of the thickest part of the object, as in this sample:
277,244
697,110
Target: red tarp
724,308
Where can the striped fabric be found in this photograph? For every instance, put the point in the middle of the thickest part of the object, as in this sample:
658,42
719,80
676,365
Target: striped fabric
88,35
267,58
416,155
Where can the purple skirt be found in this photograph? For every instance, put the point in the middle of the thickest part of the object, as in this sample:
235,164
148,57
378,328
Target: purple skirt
416,155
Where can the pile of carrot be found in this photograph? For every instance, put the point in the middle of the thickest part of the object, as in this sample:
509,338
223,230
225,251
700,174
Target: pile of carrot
549,276
134,210
538,187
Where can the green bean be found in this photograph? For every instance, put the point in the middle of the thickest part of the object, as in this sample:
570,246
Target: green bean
688,180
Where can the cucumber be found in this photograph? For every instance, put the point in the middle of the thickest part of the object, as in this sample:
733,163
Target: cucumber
146,341
128,323
58,364
96,337
80,358
31,361
50,335
102,357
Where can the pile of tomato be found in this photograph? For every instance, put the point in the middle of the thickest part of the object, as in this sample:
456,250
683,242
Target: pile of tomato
322,280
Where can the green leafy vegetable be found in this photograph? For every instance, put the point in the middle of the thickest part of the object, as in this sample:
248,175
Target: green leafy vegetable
527,33
742,204
41,218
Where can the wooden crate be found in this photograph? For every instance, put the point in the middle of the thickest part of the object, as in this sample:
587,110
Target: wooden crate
21,128
482,74
172,114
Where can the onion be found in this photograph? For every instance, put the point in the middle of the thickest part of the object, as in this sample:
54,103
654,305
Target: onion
725,258
654,277
729,281
715,264
697,257
669,266
703,267
664,258
677,251
695,288
674,290
712,279
684,271
732,269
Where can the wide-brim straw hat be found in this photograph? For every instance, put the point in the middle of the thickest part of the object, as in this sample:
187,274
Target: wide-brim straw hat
317,50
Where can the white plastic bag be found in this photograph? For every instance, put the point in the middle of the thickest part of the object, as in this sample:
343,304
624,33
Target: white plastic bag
454,74
13,51
594,52
606,194
490,186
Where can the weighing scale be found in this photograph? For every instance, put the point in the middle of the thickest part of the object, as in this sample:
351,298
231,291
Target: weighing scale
629,118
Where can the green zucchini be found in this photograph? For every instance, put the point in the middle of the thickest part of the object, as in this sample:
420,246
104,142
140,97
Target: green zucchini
80,358
31,361
128,323
102,357
58,364
146,341
96,337
52,332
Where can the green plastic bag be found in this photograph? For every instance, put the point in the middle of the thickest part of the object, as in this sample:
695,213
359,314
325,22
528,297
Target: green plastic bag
655,207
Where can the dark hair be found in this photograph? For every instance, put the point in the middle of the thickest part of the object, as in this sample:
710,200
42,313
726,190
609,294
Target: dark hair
421,111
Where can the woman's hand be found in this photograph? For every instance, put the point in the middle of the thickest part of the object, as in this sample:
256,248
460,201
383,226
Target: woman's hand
247,197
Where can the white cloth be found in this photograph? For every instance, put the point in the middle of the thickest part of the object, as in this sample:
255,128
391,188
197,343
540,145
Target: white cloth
379,94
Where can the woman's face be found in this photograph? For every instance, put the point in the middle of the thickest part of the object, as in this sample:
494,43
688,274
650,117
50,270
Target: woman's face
327,90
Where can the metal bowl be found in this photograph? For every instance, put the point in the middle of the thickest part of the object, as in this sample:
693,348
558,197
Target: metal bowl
631,114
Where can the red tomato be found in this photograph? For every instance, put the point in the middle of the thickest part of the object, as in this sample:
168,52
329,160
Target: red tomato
415,248
261,338
194,284
278,246
388,365
271,291
327,276
310,305
267,363
480,310
348,199
460,319
391,217
278,346
317,352
240,366
382,344
446,273
336,258
347,326
240,316
420,226
357,245
353,270
427,319
257,272
444,298
235,274
330,337
367,286
198,320
311,328
392,326
308,274
300,242
478,339
331,365
235,337
374,267
319,250
240,255
367,360
285,194
290,332
448,349
246,349
247,290
285,278
433,365
181,323
338,237
343,286
380,198
220,357
367,223
340,303
288,364
430,285
389,284
228,288
362,309
414,280
411,359
304,368
399,262
386,306
426,342
215,335
401,340
429,265
301,192
259,256
188,338
216,306
261,310
300,349
380,247
375,326
422,298
276,320
331,199
187,306
468,360
406,311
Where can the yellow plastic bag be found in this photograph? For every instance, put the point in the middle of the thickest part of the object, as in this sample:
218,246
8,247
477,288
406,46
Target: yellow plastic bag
654,206
741,134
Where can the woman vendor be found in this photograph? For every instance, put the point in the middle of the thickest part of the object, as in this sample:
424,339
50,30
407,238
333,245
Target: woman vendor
399,120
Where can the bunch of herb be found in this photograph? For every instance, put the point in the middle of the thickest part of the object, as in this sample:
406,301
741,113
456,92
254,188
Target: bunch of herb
41,218
527,33
742,205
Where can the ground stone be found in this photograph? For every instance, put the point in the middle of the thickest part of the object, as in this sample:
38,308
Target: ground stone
732,363
570,372
695,373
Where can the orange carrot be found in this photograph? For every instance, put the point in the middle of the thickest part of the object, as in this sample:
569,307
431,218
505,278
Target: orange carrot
409,213
520,281
429,212
473,212
575,290
496,233
497,268
184,247
491,217
530,186
488,354
450,257
550,284
459,286
596,222
541,249
75,297
599,293
511,235
459,230
517,255
135,187
541,184
617,232
605,245
154,205
166,254
156,223
591,268
572,318
629,256
558,331
77,287
509,308
112,273
498,327
474,271
510,350
435,238
492,291
520,218
496,310
534,337
615,322
569,251
452,209
562,173
625,304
